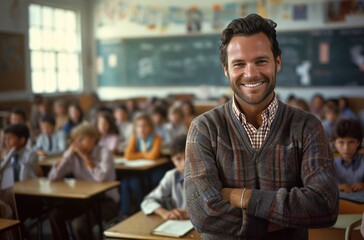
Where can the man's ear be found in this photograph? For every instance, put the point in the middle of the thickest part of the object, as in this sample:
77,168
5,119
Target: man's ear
225,70
278,62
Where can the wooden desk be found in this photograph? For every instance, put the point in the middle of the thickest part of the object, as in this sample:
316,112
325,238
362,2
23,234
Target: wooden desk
70,188
140,226
155,163
7,224
348,207
47,193
47,163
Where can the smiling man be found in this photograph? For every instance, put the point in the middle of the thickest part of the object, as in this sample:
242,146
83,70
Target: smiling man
255,167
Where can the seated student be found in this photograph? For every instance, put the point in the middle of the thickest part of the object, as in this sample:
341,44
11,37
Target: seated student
75,117
60,113
317,104
17,115
331,116
167,199
85,160
50,142
109,132
23,160
175,126
349,166
345,110
144,143
121,116
189,112
159,115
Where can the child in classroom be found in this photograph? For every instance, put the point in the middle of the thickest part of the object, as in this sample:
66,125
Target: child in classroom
50,142
143,144
24,161
176,125
75,117
109,132
189,112
331,116
349,166
85,160
167,199
121,116
159,116
60,113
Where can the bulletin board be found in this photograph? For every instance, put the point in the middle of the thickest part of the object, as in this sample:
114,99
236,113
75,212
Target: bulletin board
12,62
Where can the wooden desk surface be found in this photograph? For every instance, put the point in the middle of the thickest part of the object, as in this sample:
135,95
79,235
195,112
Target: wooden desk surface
48,162
156,163
348,207
68,188
6,224
139,226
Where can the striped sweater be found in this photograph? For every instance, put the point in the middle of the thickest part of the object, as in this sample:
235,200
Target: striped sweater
292,176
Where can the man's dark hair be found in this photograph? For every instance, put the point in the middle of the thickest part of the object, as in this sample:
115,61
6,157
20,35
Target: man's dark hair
19,111
348,128
49,118
178,145
249,25
20,130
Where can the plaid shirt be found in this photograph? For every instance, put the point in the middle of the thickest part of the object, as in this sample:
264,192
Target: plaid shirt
257,136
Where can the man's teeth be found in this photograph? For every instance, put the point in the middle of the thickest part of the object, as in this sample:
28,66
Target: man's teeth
251,85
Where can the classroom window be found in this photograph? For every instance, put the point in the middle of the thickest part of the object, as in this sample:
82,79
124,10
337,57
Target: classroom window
55,52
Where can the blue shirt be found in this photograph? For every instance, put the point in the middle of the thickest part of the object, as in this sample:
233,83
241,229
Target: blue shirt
350,173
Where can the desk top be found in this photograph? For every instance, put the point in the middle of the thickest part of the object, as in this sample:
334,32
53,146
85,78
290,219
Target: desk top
349,207
49,162
140,226
6,224
142,167
68,188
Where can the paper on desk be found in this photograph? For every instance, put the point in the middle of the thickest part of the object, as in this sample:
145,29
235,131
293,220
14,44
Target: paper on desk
173,228
133,163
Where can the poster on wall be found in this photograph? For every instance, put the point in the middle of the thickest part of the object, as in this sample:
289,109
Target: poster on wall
12,62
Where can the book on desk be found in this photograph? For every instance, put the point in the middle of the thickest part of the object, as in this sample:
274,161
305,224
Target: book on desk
173,228
357,197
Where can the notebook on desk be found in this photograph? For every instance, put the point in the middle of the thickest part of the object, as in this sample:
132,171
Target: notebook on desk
173,228
133,163
357,197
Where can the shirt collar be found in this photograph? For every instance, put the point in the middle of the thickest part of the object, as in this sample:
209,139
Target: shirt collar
269,113
354,163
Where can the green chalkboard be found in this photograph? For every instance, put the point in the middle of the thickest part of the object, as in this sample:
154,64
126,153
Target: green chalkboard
168,61
309,58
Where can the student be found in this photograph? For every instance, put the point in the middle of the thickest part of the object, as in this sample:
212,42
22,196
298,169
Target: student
189,112
121,116
144,143
23,160
347,137
175,126
317,105
17,115
75,117
85,160
159,116
109,132
60,113
345,110
331,116
167,199
50,142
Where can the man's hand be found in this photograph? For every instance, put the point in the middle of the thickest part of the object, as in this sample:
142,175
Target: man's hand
174,214
42,153
234,196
